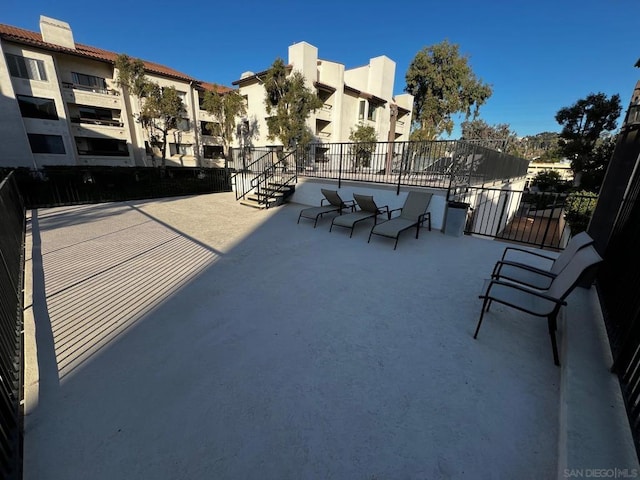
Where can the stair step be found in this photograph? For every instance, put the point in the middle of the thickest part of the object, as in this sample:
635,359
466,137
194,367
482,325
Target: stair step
252,204
252,201
268,194
262,198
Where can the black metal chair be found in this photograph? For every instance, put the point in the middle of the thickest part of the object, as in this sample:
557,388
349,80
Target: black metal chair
334,204
412,214
539,303
368,209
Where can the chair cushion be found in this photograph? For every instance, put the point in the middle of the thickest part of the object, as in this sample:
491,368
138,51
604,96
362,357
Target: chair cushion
516,297
313,212
349,219
393,227
523,275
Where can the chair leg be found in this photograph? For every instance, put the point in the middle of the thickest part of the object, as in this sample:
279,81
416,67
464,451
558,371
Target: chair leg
331,225
417,229
484,304
370,233
396,244
554,343
351,234
299,217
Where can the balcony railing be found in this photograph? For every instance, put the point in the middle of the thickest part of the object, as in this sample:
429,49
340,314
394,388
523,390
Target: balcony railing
95,121
85,88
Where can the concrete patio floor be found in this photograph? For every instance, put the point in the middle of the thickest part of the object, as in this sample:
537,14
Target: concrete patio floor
194,338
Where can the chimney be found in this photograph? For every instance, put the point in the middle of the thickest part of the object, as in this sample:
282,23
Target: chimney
56,32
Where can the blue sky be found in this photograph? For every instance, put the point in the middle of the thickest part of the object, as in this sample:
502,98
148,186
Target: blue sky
538,56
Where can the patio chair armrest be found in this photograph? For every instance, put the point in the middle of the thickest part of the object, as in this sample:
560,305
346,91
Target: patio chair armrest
531,291
394,210
504,254
423,217
322,204
350,204
383,209
523,266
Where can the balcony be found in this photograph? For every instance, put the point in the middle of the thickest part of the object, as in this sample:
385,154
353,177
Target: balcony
324,112
99,97
97,128
259,348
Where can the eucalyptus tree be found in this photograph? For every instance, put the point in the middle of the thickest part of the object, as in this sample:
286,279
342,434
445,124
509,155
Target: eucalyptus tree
585,125
499,136
364,138
226,108
161,108
443,85
289,103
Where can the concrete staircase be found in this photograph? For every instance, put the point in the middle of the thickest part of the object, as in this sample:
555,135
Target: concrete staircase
272,194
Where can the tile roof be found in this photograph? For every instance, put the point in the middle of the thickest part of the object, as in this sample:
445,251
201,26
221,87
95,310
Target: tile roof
26,37
214,87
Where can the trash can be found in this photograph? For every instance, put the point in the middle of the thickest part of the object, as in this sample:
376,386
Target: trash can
456,218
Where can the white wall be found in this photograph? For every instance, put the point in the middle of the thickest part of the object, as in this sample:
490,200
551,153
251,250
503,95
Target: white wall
48,88
13,136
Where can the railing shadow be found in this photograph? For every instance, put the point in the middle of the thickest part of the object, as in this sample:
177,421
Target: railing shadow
78,314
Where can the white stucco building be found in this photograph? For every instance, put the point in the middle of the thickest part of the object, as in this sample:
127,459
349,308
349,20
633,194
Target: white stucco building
351,96
61,105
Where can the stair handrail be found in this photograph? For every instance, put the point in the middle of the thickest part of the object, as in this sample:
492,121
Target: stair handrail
269,172
242,192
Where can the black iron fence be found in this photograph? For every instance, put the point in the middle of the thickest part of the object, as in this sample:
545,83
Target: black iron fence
56,186
12,230
542,219
618,284
438,164
262,172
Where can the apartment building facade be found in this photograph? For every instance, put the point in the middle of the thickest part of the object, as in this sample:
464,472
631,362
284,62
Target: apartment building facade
61,105
362,95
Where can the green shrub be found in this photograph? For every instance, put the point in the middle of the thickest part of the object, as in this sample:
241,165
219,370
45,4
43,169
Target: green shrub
578,210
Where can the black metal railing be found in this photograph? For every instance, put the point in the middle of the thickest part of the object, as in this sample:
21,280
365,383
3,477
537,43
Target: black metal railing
275,179
57,186
537,219
12,234
438,164
618,284
250,164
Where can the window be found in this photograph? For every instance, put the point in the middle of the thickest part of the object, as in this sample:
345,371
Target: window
209,128
361,110
89,81
183,124
95,113
46,143
180,149
108,147
372,112
36,107
24,67
213,151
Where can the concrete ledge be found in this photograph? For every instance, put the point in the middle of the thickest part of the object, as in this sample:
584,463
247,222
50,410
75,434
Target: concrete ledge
594,434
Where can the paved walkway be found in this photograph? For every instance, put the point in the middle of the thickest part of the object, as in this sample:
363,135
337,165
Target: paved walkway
194,338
